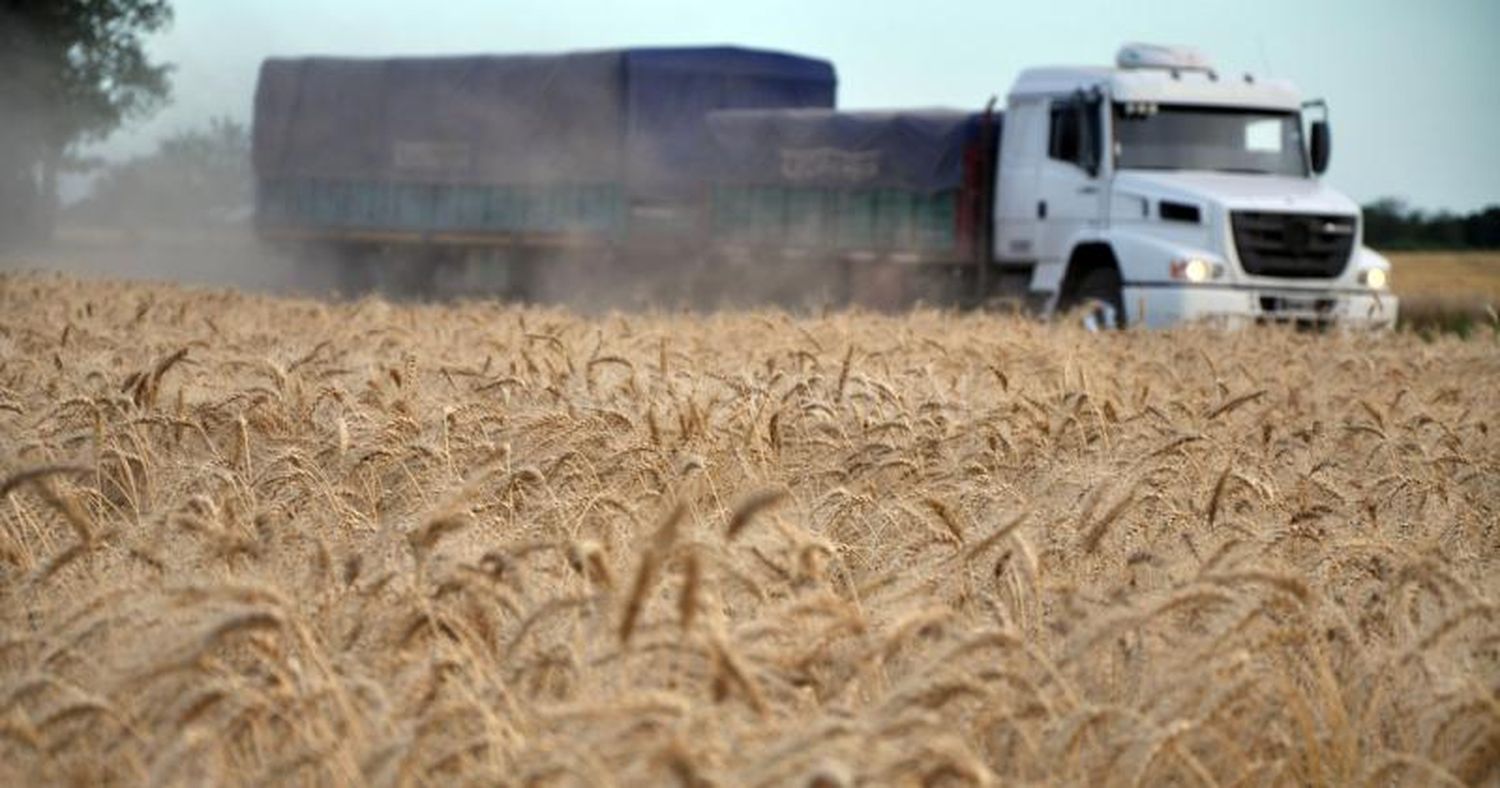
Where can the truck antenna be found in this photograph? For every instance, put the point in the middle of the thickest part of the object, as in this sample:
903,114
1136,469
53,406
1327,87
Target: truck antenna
1265,60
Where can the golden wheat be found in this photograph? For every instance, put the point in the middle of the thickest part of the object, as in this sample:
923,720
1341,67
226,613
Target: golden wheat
249,540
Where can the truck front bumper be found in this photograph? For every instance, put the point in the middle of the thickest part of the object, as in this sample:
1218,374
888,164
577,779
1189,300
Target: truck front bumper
1158,306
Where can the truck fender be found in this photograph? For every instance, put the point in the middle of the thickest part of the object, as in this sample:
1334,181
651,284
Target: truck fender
1365,258
1054,277
1387,304
1146,260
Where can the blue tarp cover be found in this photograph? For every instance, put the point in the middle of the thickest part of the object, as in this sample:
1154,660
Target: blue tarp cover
912,150
632,115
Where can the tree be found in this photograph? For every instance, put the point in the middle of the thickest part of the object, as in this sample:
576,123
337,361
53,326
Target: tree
1386,222
71,71
1391,224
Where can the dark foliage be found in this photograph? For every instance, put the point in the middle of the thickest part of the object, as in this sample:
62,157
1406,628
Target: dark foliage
1391,224
71,71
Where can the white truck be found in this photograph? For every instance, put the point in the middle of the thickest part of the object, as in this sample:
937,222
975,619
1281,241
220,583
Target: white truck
1151,193
1162,191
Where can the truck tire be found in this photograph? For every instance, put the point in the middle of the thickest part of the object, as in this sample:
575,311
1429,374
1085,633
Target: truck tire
1100,299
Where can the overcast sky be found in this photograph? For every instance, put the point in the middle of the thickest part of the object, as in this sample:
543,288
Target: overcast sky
1414,85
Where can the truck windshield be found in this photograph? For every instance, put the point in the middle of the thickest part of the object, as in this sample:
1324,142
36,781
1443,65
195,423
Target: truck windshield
1177,137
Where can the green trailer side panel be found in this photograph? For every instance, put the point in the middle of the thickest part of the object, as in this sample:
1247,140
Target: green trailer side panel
310,204
885,219
882,219
809,217
857,220
937,223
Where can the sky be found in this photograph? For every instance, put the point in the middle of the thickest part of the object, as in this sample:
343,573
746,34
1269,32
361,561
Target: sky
1413,85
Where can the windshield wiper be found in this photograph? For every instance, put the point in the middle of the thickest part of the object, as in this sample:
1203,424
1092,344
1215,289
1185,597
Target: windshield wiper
1243,170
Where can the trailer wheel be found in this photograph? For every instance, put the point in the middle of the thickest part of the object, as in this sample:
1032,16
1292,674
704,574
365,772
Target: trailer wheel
1102,300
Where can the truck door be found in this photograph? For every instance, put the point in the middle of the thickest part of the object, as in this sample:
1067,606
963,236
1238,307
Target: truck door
1022,146
1071,192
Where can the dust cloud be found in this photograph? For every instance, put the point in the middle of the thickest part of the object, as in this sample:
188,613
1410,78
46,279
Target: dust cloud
218,258
587,283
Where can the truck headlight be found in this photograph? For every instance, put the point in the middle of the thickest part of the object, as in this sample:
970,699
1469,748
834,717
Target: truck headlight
1195,269
1375,278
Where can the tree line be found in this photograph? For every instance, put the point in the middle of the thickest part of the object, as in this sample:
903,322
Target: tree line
1392,224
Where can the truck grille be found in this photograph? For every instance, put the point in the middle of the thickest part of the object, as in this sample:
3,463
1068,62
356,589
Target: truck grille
1293,245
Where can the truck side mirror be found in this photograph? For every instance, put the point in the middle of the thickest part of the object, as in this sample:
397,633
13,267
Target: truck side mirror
1321,143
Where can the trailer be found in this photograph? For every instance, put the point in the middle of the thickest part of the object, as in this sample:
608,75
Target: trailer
895,204
397,168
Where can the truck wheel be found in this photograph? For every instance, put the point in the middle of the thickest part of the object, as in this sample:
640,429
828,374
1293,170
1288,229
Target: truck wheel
1100,296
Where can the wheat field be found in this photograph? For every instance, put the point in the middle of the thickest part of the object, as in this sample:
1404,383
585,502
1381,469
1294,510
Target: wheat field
1448,291
1471,274
256,540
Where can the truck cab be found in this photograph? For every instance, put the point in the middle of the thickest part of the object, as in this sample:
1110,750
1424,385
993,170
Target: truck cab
1161,191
